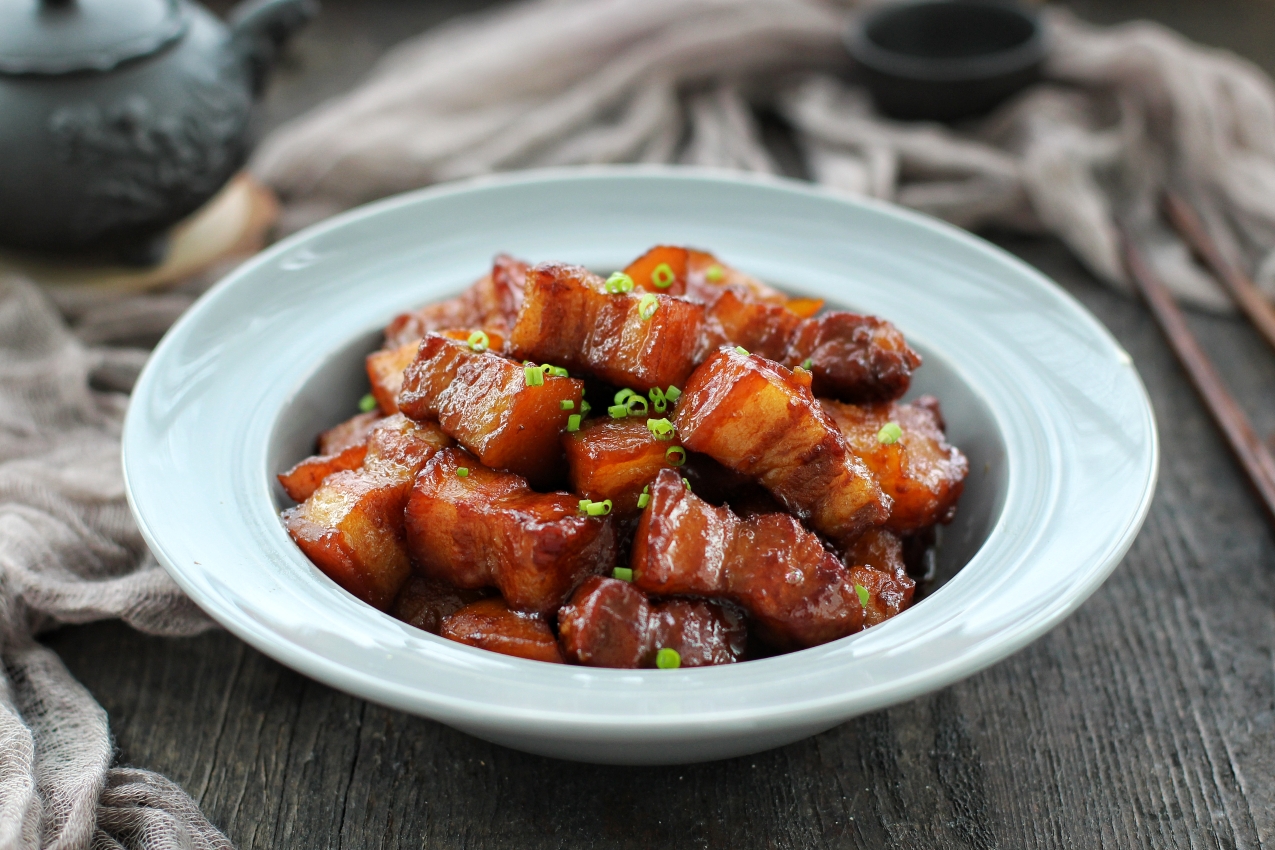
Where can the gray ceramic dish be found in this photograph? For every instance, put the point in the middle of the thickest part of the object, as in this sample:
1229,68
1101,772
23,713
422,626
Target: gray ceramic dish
1050,410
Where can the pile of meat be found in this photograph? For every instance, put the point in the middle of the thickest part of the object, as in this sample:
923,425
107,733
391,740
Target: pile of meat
675,466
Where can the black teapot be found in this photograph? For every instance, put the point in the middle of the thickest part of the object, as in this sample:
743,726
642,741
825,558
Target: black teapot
119,117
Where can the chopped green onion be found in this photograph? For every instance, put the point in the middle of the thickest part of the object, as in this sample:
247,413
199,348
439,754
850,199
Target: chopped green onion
739,349
648,305
585,407
557,372
368,403
622,573
573,422
566,404
462,471
598,508
584,505
672,394
637,405
619,282
889,434
863,594
624,395
533,376
658,400
715,273
686,484
479,341
807,363
675,455
618,411
662,276
668,659
644,500
661,428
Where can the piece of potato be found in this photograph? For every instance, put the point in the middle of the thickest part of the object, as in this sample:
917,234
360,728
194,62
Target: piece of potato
351,527
425,602
489,528
796,592
491,303
610,623
569,319
485,402
921,472
756,417
614,459
490,624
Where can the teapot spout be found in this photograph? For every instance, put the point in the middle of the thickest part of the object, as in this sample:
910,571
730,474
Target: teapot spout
260,29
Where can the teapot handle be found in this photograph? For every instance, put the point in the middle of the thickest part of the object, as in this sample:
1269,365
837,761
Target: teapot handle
259,28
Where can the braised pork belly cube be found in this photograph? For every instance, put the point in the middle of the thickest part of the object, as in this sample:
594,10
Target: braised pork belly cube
879,568
351,432
425,602
492,406
917,468
341,447
491,303
614,459
351,527
795,591
758,418
490,624
697,275
385,368
568,318
854,358
610,623
488,528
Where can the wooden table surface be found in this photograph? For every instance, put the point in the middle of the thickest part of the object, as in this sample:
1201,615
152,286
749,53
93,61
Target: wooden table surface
1145,720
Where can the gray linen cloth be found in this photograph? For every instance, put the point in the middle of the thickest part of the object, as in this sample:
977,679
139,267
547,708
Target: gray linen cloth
1124,112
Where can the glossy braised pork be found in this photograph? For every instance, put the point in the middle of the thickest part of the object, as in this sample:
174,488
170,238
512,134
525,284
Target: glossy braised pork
491,406
756,417
919,470
568,318
795,591
878,567
491,304
614,459
610,623
488,528
490,624
351,527
424,602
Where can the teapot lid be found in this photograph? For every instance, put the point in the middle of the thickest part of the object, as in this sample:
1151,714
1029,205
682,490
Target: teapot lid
61,36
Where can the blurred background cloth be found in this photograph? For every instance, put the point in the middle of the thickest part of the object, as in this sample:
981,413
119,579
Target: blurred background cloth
1123,112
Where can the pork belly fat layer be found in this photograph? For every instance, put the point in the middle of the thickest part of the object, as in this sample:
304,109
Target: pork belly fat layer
490,624
489,528
796,592
351,527
610,623
758,418
921,472
485,402
569,319
491,303
614,459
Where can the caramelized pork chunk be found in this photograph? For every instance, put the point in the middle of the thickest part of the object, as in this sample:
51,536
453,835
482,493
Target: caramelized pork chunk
490,624
385,371
919,470
758,418
796,592
490,406
488,528
614,459
425,602
351,527
492,304
610,623
854,358
302,480
879,569
568,318
697,275
351,432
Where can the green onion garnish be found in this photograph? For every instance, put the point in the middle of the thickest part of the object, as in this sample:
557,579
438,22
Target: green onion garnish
637,405
478,341
662,276
863,594
648,305
566,404
598,508
715,273
368,403
807,363
686,484
624,395
622,573
739,349
661,428
573,422
533,376
672,394
619,282
658,400
462,471
675,455
585,407
668,659
557,372
618,411
889,434
644,500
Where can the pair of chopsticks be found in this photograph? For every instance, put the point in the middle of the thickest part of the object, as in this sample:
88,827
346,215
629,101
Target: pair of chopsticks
1248,448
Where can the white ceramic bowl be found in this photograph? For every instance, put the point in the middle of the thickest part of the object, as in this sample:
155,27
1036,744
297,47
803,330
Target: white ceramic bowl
1048,407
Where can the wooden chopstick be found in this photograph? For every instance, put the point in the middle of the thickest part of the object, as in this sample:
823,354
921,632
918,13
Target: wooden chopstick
1246,294
1246,445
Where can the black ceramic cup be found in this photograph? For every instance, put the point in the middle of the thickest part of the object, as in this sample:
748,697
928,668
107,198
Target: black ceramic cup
944,60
